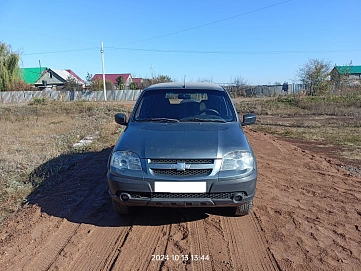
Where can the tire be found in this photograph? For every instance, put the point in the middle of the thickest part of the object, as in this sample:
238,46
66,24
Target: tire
244,209
120,209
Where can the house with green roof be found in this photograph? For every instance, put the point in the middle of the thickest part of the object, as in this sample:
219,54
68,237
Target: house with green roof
351,75
31,75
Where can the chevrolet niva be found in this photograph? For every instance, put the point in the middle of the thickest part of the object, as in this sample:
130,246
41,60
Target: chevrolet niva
183,146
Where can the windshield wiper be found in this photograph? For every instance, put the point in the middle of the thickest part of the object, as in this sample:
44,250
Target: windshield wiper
159,119
203,120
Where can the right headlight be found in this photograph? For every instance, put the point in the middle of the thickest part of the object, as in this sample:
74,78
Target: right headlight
238,160
125,160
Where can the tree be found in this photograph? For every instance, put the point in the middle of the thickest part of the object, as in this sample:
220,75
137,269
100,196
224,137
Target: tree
97,84
161,79
9,68
120,82
315,75
72,84
205,80
133,86
239,86
240,82
88,78
155,80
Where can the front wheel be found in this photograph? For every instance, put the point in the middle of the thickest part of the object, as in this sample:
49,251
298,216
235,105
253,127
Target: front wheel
121,209
244,209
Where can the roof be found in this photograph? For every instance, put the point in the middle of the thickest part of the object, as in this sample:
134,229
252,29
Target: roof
348,69
31,75
112,77
188,85
63,74
137,80
76,76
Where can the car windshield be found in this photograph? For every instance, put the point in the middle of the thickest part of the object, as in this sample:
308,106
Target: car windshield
185,106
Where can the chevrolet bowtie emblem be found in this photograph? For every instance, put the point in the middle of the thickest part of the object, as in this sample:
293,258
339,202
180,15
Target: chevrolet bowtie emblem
180,166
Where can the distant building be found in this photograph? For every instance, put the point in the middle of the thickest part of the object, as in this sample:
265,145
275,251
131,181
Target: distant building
351,75
31,75
52,78
138,82
126,77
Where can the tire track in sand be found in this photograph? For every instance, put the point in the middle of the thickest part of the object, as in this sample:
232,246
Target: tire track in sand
197,243
149,236
247,245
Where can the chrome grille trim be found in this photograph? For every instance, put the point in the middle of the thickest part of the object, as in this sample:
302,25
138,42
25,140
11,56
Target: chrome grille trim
187,161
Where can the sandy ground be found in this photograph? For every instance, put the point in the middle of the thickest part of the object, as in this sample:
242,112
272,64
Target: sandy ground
306,216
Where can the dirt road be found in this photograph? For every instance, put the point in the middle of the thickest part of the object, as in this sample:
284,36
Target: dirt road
307,216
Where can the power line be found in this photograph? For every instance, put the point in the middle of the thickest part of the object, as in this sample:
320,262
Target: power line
169,34
234,52
62,51
207,24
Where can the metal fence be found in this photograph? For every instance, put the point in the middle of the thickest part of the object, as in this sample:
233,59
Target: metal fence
265,90
28,96
129,95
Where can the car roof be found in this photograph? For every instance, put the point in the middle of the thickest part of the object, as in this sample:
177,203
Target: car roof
185,86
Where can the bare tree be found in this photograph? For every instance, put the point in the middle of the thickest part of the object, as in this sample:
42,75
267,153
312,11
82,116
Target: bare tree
238,87
315,74
205,80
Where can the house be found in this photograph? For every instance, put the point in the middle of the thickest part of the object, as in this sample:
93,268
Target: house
126,77
138,82
31,75
82,82
52,78
351,75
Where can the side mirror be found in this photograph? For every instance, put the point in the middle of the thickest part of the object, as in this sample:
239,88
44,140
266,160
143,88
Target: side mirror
120,118
248,119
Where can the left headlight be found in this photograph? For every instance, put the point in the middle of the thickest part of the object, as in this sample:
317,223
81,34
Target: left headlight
125,160
238,160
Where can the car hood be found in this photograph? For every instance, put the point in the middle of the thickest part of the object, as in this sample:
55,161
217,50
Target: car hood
182,140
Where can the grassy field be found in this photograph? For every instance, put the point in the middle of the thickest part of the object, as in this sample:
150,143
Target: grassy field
34,134
330,124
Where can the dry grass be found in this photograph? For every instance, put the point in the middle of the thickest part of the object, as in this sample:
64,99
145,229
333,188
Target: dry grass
34,134
332,121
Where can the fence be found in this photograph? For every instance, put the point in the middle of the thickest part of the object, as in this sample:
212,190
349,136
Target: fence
127,95
267,91
28,96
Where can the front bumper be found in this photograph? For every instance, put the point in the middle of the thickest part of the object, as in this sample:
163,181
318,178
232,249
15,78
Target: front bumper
226,193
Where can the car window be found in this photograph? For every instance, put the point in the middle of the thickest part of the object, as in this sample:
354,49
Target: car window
185,105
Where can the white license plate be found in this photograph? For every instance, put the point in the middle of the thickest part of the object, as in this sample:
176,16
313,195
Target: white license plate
180,187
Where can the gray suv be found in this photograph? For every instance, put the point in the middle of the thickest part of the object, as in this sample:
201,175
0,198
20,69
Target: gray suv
183,146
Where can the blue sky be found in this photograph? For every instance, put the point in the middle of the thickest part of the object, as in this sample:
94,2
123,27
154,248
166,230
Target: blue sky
262,41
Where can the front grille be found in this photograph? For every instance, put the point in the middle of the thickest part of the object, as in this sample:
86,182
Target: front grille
187,172
227,195
224,195
187,161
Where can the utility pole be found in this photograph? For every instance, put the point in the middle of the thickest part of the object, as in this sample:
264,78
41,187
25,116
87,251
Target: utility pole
102,53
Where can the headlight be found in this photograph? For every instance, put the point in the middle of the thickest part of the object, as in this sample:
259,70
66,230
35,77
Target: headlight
125,160
238,160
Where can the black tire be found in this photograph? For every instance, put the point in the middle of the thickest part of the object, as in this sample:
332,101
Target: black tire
121,209
244,209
